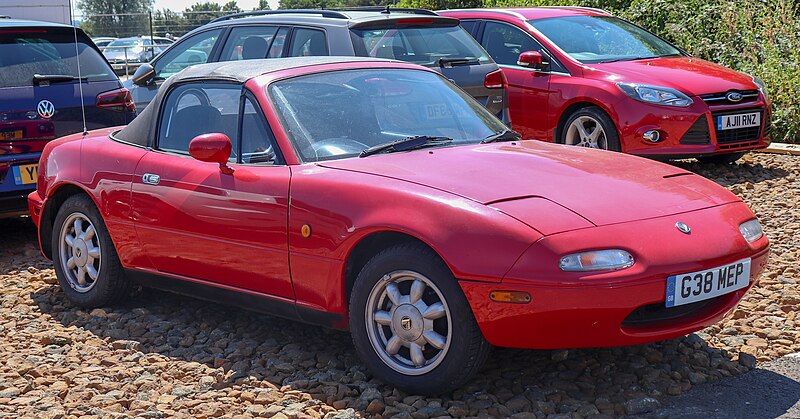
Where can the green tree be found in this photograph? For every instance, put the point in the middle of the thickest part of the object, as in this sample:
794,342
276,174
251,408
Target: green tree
115,17
201,13
169,22
263,5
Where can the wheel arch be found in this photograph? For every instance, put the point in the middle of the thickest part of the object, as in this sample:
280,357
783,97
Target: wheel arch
56,198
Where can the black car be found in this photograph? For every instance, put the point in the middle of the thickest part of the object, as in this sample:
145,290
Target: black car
40,99
414,35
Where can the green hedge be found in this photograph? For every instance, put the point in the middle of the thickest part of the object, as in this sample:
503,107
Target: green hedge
757,37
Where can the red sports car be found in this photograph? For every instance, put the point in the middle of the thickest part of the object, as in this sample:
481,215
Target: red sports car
583,77
377,196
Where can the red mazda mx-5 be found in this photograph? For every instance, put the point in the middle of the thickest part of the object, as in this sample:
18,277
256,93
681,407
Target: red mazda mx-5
580,76
378,197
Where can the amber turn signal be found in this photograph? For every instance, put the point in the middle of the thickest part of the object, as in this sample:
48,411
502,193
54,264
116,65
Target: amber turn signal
517,297
305,230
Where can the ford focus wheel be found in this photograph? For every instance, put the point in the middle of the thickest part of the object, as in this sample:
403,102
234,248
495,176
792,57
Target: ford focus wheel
411,323
86,264
590,127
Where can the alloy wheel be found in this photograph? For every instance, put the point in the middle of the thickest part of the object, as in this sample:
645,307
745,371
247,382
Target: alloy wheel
408,322
80,252
586,131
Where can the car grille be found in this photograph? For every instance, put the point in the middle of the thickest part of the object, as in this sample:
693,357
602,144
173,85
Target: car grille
698,133
741,134
655,313
721,98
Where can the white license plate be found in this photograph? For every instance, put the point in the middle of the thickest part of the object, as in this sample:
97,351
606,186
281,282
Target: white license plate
701,285
742,120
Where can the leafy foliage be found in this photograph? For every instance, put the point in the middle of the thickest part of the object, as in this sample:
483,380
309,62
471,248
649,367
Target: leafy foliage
115,17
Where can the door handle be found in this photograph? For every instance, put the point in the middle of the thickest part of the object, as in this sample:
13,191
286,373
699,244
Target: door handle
151,179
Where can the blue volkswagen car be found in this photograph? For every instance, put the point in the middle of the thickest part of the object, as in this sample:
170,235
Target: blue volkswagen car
40,99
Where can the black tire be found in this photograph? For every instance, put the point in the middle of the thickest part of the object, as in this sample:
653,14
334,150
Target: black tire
468,348
610,130
721,158
111,285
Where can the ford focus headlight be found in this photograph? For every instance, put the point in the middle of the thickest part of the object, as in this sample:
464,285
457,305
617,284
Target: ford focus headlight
762,87
597,260
655,95
751,230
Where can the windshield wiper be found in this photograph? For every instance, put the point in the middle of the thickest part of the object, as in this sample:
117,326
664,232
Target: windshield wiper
450,62
504,135
55,78
406,144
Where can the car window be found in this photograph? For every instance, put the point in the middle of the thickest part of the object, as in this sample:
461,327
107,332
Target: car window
338,114
24,53
193,109
308,42
505,42
276,50
190,51
248,43
469,26
257,139
418,45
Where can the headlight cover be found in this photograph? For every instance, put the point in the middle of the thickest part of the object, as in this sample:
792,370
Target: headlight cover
762,87
597,260
751,230
655,95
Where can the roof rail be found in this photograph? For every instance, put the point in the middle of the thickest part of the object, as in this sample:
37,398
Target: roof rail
5,17
388,10
324,13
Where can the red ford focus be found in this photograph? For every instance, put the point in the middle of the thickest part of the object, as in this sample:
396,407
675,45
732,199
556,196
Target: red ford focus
378,197
580,76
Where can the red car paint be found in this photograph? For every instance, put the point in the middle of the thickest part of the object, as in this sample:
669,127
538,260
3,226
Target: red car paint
496,229
540,102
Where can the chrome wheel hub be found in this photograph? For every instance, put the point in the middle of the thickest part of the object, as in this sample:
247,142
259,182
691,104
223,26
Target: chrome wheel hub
586,131
408,322
80,252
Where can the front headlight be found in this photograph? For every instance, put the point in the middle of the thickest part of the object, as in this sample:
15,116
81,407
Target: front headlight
751,230
598,260
762,87
655,95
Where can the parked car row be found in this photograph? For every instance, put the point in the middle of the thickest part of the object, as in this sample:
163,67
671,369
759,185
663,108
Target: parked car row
381,191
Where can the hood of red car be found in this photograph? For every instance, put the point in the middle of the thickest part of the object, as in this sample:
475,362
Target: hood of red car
688,74
603,187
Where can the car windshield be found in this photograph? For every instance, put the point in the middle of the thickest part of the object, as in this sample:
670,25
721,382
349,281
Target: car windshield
599,39
26,52
425,46
339,114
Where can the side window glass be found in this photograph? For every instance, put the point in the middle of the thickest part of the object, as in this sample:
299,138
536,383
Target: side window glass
257,139
505,42
469,26
308,42
199,108
190,51
276,50
248,43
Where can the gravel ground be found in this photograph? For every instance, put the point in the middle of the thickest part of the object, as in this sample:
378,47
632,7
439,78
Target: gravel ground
168,355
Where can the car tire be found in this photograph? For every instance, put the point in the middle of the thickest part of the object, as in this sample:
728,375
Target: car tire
721,158
88,270
590,118
440,345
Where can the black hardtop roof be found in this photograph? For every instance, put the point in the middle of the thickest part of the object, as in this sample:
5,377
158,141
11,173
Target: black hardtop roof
143,127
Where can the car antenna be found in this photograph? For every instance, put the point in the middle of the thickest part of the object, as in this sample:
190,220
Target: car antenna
78,61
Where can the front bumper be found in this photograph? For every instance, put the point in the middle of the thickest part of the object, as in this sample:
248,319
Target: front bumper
626,307
689,132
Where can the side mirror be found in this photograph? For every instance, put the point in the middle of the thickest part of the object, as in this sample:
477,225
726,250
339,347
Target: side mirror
144,75
213,148
531,59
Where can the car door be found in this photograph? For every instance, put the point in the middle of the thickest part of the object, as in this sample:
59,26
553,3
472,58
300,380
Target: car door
528,89
198,222
196,49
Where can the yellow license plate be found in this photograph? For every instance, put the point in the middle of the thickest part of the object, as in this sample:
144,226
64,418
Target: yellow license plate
11,135
25,175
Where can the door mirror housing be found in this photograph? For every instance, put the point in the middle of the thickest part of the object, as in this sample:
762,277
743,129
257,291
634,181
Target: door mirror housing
213,148
144,75
532,60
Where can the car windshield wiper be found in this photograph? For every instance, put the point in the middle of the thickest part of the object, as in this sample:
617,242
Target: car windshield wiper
450,62
55,78
504,135
408,143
